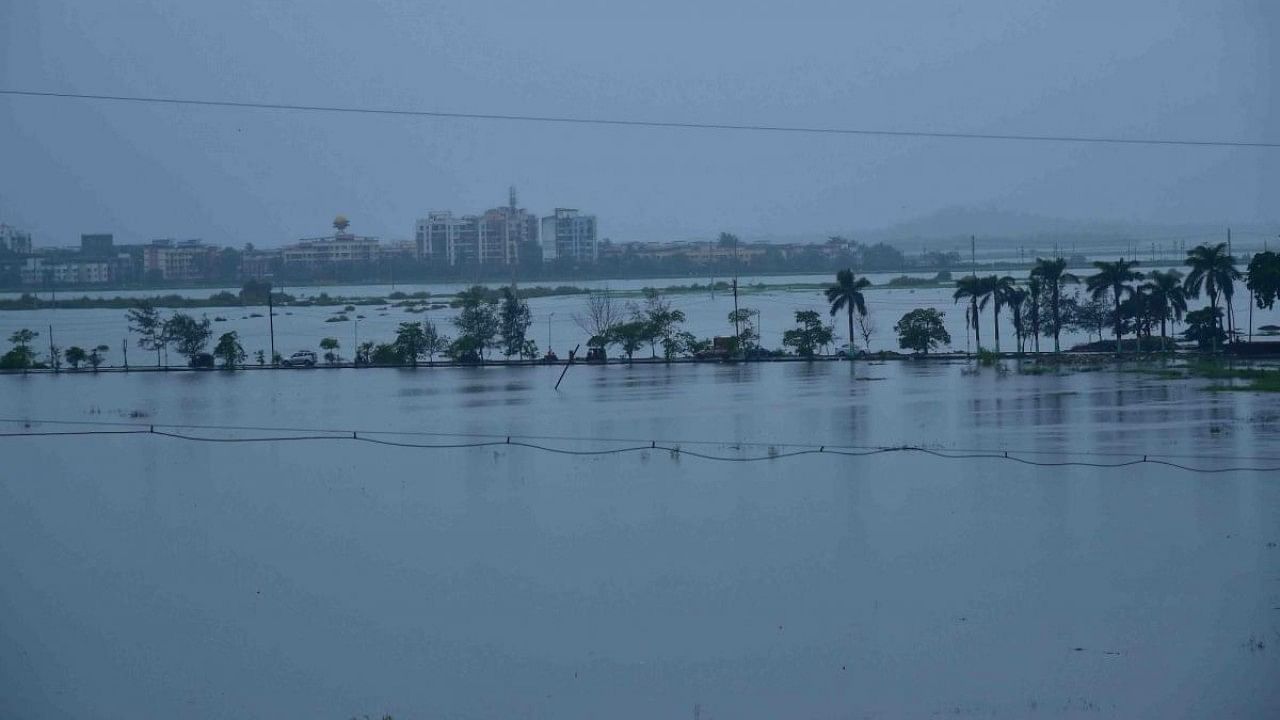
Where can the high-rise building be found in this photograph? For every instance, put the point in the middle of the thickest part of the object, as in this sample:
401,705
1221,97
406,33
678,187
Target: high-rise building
14,240
571,236
493,238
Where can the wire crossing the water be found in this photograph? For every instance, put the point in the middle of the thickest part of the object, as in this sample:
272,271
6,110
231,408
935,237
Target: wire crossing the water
676,450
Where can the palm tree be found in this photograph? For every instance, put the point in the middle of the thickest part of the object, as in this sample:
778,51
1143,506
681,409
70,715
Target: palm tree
1113,277
1214,272
1015,297
1168,298
846,295
1053,273
997,290
970,288
1035,290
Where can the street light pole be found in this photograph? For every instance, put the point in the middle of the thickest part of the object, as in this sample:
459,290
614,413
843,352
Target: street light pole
549,331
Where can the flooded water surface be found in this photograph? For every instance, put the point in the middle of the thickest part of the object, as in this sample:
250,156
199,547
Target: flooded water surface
151,576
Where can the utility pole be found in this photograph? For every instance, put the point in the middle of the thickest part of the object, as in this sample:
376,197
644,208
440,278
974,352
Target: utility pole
355,348
1231,322
124,350
549,331
53,351
271,324
736,332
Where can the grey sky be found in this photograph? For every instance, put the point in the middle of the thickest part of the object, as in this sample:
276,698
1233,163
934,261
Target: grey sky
1138,68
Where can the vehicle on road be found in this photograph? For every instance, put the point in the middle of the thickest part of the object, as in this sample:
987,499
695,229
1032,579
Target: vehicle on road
302,358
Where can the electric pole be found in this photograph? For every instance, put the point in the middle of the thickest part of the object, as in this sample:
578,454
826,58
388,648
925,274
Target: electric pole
53,352
271,323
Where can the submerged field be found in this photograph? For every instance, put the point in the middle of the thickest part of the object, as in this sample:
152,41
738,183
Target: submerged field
154,576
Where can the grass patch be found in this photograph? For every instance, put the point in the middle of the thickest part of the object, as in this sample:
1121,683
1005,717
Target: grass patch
1258,379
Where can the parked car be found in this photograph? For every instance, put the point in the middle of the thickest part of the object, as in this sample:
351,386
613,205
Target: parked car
201,361
302,358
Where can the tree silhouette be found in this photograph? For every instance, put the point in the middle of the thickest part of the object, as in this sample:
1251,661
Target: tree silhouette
1113,277
846,294
1053,273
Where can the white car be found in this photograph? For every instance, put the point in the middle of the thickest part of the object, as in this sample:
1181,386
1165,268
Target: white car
302,358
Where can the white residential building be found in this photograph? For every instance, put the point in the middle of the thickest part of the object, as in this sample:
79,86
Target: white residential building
570,235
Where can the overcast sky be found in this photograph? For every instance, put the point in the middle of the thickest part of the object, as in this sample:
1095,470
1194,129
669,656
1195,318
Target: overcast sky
1139,68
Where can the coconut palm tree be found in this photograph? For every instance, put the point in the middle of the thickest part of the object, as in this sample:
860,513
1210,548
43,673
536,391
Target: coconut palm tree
1015,298
1113,277
997,291
846,295
1168,298
1035,292
1214,272
1053,273
970,288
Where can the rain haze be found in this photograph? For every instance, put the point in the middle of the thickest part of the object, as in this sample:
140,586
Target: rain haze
1189,70
708,360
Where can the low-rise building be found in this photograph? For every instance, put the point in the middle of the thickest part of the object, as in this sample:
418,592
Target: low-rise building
40,271
259,264
342,248
179,260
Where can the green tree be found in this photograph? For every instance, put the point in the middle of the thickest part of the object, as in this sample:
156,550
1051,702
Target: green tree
189,336
921,330
630,336
1113,278
75,355
1053,274
1213,272
229,351
144,320
410,343
329,345
477,323
748,338
1264,279
662,320
434,342
1167,298
21,356
384,354
1204,328
1092,316
97,356
846,294
260,357
970,288
514,321
364,353
23,338
809,336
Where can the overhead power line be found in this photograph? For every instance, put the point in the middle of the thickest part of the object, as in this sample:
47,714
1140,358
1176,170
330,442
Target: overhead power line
630,122
675,450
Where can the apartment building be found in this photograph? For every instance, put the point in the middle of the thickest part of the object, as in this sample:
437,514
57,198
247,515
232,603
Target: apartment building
568,235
